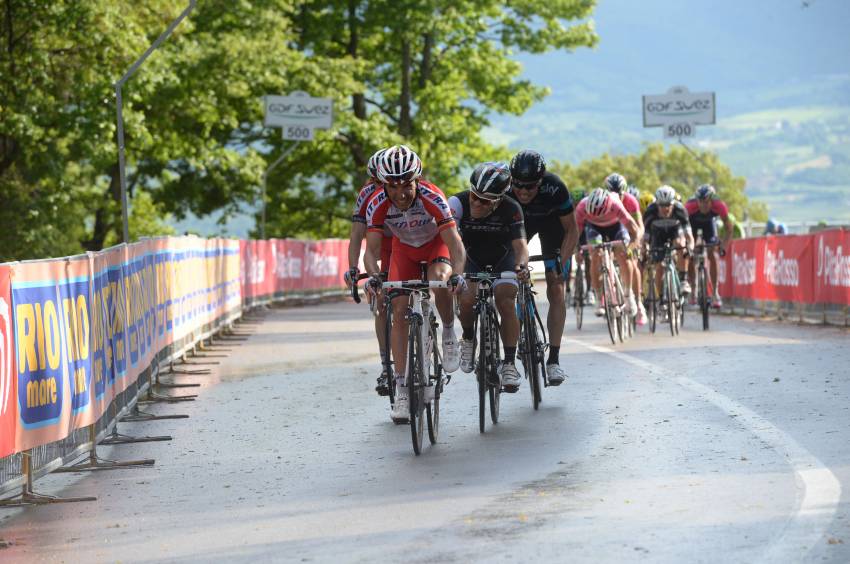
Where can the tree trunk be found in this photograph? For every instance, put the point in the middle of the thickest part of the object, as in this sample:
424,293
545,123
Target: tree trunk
404,122
104,219
425,66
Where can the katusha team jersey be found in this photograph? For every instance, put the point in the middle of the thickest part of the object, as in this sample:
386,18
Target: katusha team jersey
359,213
427,216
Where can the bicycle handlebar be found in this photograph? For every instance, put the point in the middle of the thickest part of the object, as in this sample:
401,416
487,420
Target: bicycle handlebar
355,294
478,276
414,284
606,245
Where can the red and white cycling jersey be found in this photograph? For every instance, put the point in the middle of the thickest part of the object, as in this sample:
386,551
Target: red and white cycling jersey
427,216
366,193
616,213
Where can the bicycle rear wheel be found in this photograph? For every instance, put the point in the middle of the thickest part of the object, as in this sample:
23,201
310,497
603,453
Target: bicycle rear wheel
415,385
495,391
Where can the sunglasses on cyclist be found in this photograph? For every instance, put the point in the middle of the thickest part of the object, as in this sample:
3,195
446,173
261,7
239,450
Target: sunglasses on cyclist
486,201
664,205
525,185
401,178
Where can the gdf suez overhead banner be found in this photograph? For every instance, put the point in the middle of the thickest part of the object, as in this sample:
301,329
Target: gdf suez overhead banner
84,328
808,269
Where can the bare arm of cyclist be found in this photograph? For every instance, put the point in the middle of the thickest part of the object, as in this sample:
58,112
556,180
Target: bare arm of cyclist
570,235
520,247
373,251
456,251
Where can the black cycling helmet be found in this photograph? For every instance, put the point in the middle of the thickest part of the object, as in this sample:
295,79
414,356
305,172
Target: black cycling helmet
527,167
705,192
615,182
490,180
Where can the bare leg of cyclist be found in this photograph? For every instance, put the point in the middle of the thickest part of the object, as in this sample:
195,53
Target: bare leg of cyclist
443,299
555,324
627,273
596,281
509,327
467,322
398,336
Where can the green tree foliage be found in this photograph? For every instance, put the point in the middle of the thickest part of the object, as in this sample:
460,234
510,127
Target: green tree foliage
425,73
655,166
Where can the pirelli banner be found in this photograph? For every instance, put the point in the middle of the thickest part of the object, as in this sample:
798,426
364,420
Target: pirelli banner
805,269
76,331
278,267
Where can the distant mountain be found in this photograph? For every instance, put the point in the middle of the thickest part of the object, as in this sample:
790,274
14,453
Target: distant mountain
781,73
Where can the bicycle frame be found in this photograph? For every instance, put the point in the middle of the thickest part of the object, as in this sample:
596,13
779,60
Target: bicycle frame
612,289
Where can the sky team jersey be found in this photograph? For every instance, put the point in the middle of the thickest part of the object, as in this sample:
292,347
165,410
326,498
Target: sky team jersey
630,203
552,201
653,214
488,239
616,214
427,216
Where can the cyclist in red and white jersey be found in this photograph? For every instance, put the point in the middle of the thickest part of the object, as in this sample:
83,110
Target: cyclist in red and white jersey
603,218
355,241
418,215
616,184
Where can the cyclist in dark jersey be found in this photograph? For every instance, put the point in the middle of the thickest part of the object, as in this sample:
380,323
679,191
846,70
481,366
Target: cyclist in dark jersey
548,209
703,209
667,220
493,233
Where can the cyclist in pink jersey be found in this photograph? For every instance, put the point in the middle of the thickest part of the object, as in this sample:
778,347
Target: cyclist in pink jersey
355,242
420,219
616,184
603,218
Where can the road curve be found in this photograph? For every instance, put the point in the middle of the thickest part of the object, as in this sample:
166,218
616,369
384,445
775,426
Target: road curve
730,445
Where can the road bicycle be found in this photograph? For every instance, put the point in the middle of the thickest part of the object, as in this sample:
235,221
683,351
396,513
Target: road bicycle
705,289
613,296
424,377
672,303
486,342
532,345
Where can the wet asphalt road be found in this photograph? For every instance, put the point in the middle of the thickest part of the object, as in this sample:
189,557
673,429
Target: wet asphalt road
726,446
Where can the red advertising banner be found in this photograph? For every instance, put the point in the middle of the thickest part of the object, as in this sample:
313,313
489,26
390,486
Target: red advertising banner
786,269
832,267
743,265
8,371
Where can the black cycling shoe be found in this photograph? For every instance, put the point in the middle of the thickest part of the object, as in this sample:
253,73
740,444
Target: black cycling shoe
383,386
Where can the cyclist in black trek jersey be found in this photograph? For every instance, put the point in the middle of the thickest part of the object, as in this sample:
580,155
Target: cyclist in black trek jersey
493,234
548,209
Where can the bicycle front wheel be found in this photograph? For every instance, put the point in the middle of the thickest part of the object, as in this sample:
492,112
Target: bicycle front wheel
528,353
433,411
702,293
610,312
652,304
672,302
481,370
416,382
578,292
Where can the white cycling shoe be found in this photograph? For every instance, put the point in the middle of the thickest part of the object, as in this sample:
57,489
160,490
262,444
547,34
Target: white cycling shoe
555,374
685,288
467,355
451,352
401,408
510,377
631,304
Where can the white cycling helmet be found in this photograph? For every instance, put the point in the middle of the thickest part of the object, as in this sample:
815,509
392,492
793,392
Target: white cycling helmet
665,195
598,202
372,166
399,164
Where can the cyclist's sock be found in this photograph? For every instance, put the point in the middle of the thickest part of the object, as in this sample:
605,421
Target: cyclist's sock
683,275
468,334
510,355
554,353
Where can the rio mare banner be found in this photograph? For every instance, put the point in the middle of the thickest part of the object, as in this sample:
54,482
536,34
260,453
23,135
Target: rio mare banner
86,327
807,269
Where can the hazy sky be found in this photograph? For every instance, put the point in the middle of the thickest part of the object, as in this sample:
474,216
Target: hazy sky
723,45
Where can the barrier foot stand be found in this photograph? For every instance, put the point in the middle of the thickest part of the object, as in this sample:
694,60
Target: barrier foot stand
29,497
117,438
173,385
154,397
205,355
189,372
137,415
95,462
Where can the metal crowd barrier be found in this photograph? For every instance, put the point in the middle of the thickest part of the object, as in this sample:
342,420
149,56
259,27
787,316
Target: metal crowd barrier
819,314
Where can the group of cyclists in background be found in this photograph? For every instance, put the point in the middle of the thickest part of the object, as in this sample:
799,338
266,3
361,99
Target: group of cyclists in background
414,232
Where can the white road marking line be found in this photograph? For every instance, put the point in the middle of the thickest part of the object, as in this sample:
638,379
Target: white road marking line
818,489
